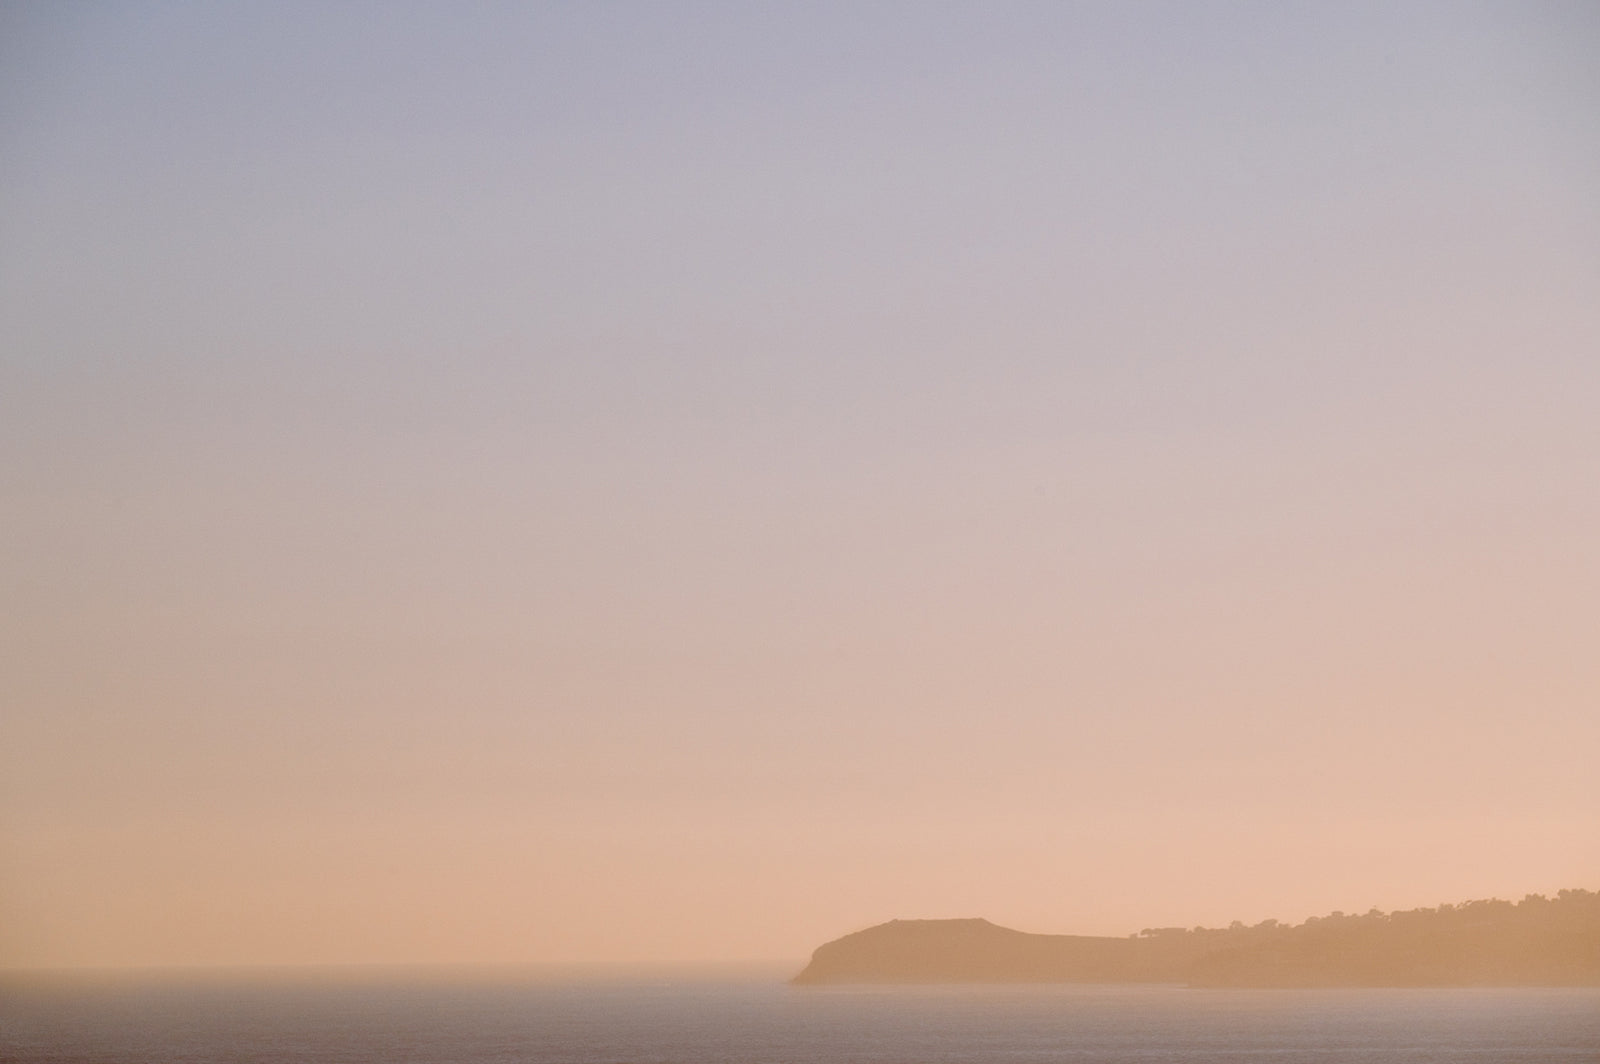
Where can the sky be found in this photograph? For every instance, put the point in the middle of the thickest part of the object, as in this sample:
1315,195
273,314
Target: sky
676,482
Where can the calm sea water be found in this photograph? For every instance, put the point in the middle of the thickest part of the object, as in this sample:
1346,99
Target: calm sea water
362,1020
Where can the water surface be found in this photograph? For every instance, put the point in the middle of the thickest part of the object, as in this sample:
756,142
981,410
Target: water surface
366,1018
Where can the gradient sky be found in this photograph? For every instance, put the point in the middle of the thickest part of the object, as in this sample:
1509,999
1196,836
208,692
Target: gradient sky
686,481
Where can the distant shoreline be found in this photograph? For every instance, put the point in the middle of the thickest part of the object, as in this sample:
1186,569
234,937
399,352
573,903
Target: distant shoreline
1539,941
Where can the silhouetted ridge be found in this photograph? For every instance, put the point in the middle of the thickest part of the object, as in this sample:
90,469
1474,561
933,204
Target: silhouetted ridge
1539,941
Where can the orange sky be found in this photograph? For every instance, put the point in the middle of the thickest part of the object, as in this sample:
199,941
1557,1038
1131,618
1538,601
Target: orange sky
683,484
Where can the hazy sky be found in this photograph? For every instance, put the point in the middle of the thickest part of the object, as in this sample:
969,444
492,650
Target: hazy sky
687,481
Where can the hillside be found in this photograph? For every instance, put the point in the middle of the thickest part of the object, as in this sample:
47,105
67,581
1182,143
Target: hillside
1537,942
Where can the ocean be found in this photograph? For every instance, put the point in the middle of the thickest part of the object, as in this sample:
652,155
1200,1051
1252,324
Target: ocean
364,1018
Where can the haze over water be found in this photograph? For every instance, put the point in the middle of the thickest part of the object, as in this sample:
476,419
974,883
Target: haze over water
624,482
237,1020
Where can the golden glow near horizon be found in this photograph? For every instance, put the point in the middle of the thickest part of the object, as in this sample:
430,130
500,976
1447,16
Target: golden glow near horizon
637,483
